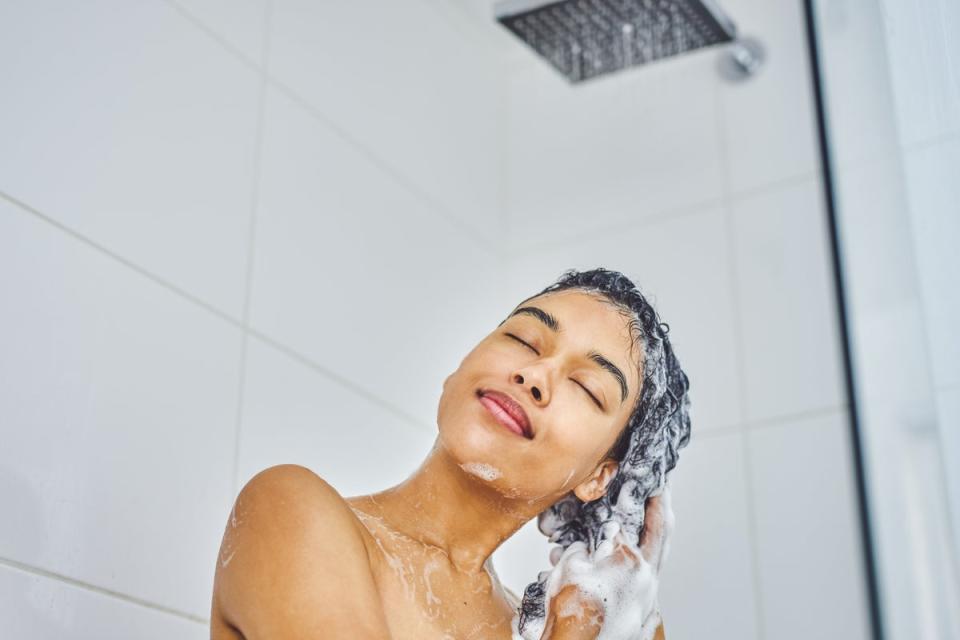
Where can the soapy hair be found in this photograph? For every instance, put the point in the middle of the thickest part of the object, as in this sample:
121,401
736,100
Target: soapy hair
647,447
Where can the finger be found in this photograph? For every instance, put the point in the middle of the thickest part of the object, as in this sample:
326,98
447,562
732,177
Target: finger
617,551
657,524
571,602
555,554
625,553
611,535
652,534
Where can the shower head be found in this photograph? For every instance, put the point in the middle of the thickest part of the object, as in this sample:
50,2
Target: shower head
583,39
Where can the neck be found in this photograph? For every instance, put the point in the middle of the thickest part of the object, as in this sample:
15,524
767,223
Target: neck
443,506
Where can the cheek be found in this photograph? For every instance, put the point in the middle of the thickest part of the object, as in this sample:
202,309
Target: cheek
453,398
583,444
578,438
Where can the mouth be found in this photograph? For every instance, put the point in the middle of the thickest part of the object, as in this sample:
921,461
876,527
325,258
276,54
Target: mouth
506,411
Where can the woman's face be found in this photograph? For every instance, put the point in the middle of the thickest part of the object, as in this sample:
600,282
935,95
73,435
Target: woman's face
577,382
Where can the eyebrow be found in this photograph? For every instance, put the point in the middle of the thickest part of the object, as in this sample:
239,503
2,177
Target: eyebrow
553,324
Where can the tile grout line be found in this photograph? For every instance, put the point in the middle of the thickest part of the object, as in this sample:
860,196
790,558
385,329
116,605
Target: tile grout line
946,387
940,139
90,243
333,376
786,418
437,207
212,34
739,343
188,297
627,225
772,186
675,213
86,586
464,22
772,422
251,240
503,158
503,177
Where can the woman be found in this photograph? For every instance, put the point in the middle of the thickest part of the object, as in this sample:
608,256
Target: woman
555,414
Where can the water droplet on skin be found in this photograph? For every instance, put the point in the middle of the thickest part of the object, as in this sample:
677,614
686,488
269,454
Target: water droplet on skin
225,562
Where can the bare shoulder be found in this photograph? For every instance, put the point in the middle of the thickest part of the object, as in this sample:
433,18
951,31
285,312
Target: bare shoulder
293,562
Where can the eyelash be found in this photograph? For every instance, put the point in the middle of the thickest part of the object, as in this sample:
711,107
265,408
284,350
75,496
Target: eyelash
526,344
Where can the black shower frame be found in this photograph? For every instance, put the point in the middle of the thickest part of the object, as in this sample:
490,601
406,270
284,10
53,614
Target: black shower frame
856,430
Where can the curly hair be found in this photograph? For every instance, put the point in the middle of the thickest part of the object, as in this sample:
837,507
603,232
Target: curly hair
647,447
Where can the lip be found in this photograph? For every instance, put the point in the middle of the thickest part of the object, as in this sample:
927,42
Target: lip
507,411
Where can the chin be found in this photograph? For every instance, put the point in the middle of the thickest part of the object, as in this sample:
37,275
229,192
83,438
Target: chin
467,439
469,434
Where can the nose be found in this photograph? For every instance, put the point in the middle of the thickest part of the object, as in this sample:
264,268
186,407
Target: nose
535,385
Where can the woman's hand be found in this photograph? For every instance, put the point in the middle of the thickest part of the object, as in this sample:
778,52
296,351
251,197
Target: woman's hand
573,615
630,576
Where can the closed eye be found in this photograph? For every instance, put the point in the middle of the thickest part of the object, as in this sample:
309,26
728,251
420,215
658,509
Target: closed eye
592,397
524,343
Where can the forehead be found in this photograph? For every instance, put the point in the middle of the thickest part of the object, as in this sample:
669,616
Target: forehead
583,310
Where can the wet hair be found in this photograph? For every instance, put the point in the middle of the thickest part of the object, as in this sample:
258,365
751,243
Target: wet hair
647,447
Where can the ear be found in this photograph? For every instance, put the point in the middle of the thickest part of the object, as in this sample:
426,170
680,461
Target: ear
596,485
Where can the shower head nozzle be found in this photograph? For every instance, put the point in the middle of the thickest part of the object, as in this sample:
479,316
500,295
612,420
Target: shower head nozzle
583,39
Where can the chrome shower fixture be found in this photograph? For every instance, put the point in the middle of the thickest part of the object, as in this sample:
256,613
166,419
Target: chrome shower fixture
584,39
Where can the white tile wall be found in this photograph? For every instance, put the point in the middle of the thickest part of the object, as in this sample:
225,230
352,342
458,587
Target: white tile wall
923,47
359,274
683,264
788,320
807,540
295,414
948,413
119,412
861,114
708,588
522,557
395,142
143,142
33,606
769,120
419,95
586,157
240,23
932,175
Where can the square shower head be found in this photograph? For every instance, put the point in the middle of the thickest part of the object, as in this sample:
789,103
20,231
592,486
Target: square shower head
583,39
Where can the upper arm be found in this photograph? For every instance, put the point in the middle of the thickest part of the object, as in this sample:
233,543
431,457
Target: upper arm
293,563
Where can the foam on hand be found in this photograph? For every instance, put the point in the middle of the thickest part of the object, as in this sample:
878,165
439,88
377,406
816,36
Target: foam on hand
625,584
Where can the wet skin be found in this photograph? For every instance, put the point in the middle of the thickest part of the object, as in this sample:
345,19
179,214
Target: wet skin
298,560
